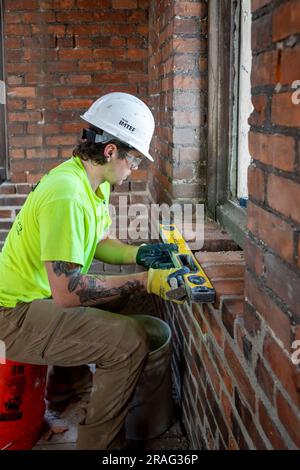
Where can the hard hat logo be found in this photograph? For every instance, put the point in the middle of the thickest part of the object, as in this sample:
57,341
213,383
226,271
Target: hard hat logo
125,124
136,130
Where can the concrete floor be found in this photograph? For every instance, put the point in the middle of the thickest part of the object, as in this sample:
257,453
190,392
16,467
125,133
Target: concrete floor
61,430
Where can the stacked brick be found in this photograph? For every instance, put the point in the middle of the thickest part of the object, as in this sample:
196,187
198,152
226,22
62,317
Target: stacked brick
178,91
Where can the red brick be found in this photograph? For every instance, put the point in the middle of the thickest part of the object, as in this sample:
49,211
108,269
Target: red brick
22,68
99,65
188,45
225,271
283,368
214,325
289,418
183,172
264,69
6,213
270,429
249,424
227,288
264,379
22,92
72,54
213,258
23,188
7,189
272,230
198,314
210,370
188,190
124,4
219,363
91,4
190,9
252,321
275,318
17,30
276,150
12,200
28,140
256,183
17,153
14,56
282,196
60,140
240,375
75,103
284,111
286,20
42,153
232,310
262,32
185,25
284,281
258,115
12,43
287,73
244,343
254,256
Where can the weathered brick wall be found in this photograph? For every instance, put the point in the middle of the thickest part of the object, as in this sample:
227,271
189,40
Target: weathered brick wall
207,374
272,250
237,384
178,90
60,56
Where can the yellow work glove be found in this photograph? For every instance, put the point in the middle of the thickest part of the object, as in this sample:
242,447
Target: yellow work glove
168,283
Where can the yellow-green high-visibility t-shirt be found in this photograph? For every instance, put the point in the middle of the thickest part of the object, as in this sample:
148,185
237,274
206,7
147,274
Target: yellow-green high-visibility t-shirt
63,219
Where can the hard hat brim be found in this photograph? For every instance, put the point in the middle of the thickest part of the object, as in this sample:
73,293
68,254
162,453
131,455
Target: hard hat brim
145,154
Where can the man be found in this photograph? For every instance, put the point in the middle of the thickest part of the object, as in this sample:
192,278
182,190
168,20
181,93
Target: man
47,299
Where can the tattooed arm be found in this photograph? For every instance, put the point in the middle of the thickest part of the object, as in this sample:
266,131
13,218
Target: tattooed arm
70,288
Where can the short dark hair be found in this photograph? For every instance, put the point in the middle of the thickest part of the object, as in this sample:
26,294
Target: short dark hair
95,151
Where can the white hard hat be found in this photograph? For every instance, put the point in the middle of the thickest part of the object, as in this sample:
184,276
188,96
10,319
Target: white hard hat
124,117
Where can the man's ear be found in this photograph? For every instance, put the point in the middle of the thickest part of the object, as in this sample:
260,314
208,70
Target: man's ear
109,151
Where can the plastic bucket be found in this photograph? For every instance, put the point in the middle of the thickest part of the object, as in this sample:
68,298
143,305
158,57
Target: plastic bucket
22,404
151,408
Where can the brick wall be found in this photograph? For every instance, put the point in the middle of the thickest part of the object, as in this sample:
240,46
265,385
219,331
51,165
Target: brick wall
272,251
178,91
238,387
61,56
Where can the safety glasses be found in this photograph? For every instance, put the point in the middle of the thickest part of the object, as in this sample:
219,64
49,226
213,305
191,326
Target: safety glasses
132,161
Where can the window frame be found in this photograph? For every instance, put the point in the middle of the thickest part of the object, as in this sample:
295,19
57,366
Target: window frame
223,71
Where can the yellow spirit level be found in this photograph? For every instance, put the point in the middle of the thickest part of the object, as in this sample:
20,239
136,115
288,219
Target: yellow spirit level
198,286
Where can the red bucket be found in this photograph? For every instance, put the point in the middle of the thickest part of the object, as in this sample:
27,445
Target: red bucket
22,404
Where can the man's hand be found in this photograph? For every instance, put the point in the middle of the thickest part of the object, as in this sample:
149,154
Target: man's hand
156,255
168,283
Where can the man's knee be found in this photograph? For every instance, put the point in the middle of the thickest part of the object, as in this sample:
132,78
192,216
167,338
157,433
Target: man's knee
135,339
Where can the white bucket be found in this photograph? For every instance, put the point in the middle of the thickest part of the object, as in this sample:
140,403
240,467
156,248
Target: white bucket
151,408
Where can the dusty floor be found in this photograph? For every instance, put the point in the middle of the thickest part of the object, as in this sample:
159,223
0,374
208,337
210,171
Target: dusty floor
61,431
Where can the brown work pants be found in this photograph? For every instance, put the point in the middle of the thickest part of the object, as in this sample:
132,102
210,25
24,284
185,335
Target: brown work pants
40,332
